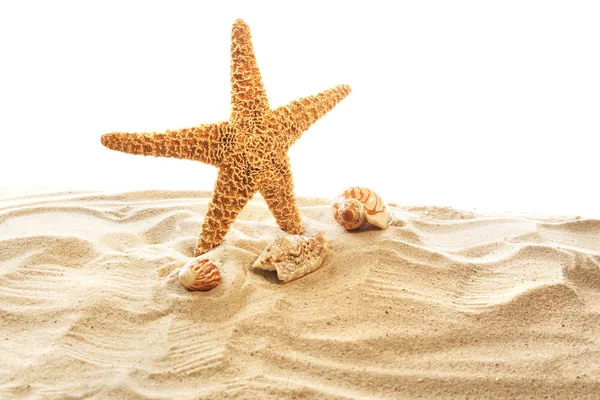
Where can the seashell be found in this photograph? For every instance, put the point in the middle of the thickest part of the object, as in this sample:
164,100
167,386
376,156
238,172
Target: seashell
199,274
293,256
359,205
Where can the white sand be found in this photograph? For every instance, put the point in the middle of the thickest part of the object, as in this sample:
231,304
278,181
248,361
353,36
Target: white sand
443,303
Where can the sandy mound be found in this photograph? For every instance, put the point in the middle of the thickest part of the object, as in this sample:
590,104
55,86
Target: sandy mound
442,303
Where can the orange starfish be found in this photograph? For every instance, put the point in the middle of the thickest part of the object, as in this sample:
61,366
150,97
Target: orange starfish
250,149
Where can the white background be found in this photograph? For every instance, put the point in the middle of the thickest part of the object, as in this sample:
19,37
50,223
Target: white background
470,104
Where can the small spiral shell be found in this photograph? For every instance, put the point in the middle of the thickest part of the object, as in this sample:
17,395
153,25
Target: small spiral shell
199,274
359,205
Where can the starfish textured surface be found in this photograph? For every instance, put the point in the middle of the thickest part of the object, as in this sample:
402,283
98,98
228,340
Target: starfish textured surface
250,149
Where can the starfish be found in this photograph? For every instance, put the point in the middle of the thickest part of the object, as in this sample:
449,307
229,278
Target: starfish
250,150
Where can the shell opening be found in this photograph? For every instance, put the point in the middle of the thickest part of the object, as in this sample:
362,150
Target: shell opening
347,214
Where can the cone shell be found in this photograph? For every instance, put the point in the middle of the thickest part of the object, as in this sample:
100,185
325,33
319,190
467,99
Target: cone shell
293,256
199,274
358,206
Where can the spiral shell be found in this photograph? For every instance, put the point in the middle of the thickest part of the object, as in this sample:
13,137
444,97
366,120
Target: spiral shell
359,205
199,274
293,256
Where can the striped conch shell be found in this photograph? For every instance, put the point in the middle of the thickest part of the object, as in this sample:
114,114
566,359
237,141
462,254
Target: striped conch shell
359,205
199,274
293,256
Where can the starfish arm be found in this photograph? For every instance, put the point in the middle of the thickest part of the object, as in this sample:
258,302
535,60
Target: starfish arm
297,116
278,192
201,143
248,96
232,192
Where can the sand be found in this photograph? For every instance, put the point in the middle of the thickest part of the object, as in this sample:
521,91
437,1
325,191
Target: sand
442,304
